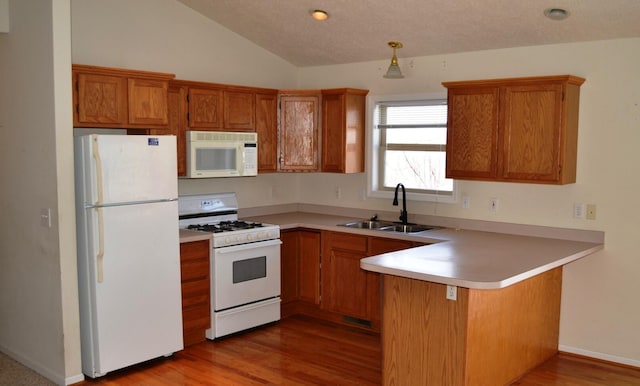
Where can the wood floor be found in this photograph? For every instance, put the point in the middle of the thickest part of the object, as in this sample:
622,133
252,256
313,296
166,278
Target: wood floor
303,351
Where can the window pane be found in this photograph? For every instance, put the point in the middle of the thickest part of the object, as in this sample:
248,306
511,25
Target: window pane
423,114
431,136
416,170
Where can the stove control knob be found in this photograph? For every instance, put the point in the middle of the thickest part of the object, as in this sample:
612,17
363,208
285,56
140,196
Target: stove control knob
227,240
270,234
250,237
261,235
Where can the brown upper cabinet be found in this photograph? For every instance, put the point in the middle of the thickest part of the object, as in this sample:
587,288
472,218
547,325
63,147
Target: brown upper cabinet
266,123
119,98
205,108
217,107
299,130
514,130
343,130
239,110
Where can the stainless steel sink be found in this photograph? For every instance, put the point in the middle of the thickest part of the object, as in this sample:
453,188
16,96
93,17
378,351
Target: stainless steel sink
387,226
407,228
367,224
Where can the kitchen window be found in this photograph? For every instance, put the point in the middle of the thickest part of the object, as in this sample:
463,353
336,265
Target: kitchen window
409,146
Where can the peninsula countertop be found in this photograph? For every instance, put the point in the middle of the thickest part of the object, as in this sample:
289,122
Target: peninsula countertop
465,258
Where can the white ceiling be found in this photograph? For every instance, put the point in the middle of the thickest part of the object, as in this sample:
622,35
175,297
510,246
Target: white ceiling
358,30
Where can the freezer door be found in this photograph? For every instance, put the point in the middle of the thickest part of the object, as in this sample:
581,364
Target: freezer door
125,168
135,307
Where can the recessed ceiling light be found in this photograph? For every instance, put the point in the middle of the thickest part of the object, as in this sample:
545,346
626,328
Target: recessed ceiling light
556,13
319,14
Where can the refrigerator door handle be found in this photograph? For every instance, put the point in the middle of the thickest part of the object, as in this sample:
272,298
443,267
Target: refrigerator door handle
100,254
96,156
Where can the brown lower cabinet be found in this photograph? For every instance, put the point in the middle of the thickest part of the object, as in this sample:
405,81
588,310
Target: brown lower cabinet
194,273
321,275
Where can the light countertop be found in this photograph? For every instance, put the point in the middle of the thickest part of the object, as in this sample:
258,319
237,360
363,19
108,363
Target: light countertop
465,258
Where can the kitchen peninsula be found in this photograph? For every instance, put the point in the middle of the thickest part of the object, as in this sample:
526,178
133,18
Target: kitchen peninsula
504,319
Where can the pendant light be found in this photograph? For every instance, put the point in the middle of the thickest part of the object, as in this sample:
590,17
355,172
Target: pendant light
394,70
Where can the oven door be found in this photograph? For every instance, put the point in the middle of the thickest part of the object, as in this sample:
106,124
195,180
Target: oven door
245,274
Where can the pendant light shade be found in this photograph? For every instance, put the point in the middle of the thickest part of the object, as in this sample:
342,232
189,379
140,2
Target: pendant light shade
394,70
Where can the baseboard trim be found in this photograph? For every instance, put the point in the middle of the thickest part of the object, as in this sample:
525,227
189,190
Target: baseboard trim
42,370
601,356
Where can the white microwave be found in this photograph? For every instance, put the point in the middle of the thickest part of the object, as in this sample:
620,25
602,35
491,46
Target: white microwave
221,154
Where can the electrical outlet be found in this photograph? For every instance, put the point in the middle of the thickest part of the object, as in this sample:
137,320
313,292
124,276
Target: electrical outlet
338,192
466,202
493,204
452,292
591,211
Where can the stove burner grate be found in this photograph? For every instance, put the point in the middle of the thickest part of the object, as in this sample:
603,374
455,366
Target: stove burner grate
225,226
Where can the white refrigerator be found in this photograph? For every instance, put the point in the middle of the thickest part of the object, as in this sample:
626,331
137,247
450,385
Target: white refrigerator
128,250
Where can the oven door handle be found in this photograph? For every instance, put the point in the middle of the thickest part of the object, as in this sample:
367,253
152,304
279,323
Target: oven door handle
243,247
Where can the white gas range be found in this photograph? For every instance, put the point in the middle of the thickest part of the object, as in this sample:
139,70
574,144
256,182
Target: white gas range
245,263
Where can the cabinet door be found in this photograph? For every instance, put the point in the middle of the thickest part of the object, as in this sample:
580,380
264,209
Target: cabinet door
102,100
531,132
239,111
205,109
333,133
299,133
344,284
148,102
267,129
343,128
177,103
309,266
289,266
472,133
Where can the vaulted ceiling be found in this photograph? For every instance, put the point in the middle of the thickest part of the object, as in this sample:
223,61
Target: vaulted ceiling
358,30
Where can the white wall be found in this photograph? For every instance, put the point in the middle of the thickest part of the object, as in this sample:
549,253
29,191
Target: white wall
599,310
168,36
600,313
38,285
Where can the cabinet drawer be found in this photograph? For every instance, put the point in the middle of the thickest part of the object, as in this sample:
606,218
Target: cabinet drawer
348,241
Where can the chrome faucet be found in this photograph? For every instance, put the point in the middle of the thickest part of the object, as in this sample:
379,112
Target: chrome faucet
403,212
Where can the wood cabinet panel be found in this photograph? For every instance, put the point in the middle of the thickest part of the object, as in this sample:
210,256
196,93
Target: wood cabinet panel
195,282
309,266
239,111
344,284
343,130
300,266
205,108
101,99
289,263
148,102
266,125
299,132
514,130
177,107
119,98
485,337
472,133
532,125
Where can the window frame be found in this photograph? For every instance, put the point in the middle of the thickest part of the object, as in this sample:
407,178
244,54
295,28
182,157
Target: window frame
373,159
